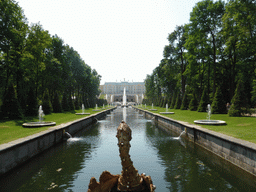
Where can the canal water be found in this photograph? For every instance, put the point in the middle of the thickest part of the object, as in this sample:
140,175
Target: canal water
174,164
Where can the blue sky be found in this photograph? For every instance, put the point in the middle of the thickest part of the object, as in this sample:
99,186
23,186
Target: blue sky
121,39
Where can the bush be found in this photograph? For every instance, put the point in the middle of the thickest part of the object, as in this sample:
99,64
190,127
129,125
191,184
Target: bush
178,102
203,102
56,105
193,103
10,107
253,99
218,104
239,103
64,102
47,106
71,103
173,101
32,104
184,105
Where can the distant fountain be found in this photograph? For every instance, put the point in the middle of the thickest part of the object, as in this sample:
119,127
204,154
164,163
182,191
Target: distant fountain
124,98
40,114
83,113
208,117
209,112
96,108
166,110
153,108
103,106
40,123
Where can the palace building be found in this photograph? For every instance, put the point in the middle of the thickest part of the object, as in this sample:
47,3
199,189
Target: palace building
114,91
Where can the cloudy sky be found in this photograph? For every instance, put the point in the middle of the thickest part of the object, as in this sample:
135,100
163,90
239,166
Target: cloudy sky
121,39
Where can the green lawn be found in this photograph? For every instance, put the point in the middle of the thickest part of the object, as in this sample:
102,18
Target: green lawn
238,127
12,130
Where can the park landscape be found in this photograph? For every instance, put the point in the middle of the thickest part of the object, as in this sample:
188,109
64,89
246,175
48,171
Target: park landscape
209,60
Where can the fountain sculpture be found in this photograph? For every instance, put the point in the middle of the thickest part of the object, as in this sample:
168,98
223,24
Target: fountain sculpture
166,111
83,113
209,121
129,180
40,123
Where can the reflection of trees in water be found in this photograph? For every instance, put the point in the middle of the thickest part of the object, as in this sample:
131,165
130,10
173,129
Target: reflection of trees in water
184,170
56,168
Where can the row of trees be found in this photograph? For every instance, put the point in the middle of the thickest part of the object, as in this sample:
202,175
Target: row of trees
209,56
37,68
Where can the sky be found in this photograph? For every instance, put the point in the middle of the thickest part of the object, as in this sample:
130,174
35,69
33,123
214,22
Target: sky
120,39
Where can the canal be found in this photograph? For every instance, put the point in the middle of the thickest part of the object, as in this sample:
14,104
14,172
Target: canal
173,163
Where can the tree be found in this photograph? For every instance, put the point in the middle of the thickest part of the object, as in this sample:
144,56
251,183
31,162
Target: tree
218,104
193,103
206,21
184,104
47,106
10,107
203,102
56,103
178,102
32,104
239,103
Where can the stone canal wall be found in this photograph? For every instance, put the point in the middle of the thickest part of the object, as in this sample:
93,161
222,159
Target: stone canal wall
238,152
19,151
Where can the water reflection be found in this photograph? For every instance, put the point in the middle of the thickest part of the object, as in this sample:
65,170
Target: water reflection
174,165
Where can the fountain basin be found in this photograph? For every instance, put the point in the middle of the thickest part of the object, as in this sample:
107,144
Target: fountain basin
152,109
210,122
96,110
38,124
166,112
82,113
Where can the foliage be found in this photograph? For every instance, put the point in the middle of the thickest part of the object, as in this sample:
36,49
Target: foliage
65,102
203,102
47,106
211,50
193,103
239,103
178,102
173,101
218,105
184,104
10,107
33,59
56,105
32,104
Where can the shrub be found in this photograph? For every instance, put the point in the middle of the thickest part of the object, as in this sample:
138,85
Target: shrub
184,105
56,105
193,103
47,106
203,102
10,107
178,102
64,102
239,103
173,101
218,104
32,104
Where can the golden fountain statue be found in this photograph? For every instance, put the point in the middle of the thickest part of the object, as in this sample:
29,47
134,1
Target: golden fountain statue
129,180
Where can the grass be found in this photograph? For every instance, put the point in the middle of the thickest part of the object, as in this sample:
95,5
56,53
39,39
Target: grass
12,129
239,127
